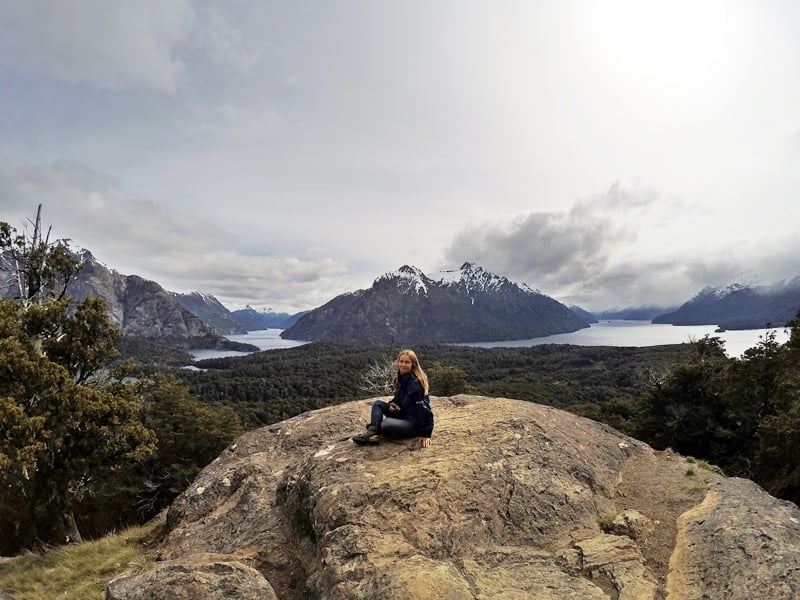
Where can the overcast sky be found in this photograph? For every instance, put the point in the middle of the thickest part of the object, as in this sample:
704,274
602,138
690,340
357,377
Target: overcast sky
609,153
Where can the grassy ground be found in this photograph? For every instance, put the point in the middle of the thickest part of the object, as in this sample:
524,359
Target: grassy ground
79,572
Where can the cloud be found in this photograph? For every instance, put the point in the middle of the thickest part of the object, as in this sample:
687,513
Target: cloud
180,251
628,246
235,123
105,44
651,281
223,40
555,249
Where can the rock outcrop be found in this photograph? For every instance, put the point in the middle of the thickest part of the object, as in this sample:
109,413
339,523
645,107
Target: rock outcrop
513,500
143,309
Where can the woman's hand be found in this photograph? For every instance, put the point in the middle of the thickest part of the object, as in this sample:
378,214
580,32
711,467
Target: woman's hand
393,407
424,442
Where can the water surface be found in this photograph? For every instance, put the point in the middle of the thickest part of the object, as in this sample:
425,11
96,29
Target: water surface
605,333
643,333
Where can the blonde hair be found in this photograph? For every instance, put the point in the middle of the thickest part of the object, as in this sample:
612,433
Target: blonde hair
416,370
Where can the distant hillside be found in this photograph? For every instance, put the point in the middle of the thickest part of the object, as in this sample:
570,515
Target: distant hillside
208,308
143,309
583,313
634,313
739,306
251,319
465,305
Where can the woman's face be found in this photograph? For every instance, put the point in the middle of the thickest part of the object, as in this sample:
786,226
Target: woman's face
404,364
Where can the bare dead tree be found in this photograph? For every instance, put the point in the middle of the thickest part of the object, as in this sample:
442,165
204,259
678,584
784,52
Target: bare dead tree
378,379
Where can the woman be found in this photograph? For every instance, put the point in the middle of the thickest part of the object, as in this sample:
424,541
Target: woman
409,413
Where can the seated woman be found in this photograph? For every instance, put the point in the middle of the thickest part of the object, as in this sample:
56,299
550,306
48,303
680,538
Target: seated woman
409,413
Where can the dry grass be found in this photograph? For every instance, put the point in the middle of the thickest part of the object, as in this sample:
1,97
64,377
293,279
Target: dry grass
79,572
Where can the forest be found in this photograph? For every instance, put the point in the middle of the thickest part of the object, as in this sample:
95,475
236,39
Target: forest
276,384
94,440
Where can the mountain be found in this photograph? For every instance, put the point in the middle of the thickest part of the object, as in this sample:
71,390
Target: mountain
142,308
583,313
208,308
464,305
251,319
739,306
634,313
513,500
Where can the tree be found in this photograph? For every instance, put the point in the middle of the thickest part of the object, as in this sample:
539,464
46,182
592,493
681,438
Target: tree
774,379
190,435
685,409
378,379
448,380
69,421
39,269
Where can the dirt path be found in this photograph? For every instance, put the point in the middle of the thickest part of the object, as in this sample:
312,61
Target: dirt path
662,493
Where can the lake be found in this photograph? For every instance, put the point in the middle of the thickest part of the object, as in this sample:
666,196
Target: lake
265,339
643,333
605,333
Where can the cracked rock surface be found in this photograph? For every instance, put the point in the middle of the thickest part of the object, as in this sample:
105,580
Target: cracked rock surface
512,500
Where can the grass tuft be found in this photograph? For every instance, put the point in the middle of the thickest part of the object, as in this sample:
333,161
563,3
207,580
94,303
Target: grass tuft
606,522
79,572
705,465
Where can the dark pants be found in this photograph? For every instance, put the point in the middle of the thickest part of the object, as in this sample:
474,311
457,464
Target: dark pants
390,426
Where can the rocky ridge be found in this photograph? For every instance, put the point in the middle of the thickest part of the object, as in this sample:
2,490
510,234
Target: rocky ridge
210,310
513,500
142,308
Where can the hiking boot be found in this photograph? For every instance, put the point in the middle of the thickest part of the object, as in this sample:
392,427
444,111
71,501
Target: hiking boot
370,436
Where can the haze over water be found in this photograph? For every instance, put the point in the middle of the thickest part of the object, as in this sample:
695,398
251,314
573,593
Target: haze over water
605,333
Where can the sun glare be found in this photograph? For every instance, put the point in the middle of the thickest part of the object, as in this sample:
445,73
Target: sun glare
673,41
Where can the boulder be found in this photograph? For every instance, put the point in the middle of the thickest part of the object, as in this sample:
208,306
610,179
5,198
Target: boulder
201,577
512,500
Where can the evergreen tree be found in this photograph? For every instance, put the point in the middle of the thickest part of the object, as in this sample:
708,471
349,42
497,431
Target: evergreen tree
777,395
685,410
190,435
69,422
448,380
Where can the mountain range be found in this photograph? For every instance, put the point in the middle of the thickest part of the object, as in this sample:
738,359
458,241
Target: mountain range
142,308
211,310
739,306
252,319
644,312
469,304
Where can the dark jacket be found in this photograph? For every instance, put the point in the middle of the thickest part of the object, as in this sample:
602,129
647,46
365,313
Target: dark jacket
414,405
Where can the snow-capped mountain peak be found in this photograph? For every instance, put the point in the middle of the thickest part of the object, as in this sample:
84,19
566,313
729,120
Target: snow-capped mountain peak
407,278
204,297
722,292
475,279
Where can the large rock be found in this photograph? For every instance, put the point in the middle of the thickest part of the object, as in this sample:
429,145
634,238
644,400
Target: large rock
513,500
203,577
